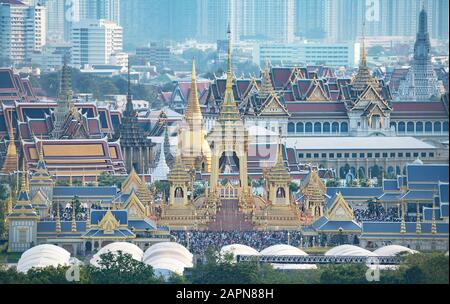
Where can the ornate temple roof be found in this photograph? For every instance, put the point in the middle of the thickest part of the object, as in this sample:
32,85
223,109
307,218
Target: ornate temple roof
279,173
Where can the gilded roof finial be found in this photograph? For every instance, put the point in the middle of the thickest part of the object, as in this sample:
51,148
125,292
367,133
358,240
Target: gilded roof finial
418,225
433,220
193,112
58,219
403,224
363,46
24,185
11,162
74,216
229,110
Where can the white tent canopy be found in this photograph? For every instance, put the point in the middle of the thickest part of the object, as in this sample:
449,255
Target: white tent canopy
43,256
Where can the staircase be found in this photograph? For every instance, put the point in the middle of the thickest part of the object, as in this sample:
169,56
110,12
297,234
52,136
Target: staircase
229,218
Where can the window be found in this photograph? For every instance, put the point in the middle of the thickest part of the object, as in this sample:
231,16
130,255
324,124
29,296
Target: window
362,155
401,127
308,155
423,154
431,154
428,126
344,127
326,127
22,235
377,155
416,154
339,155
408,154
331,155
419,127
385,155
291,128
393,155
335,127
437,127
324,155
316,155
445,126
300,127
400,154
410,127
354,155
308,127
369,155
346,155
317,127
301,155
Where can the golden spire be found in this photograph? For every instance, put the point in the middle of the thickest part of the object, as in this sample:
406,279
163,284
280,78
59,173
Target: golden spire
193,112
10,163
24,185
88,218
433,220
58,220
403,224
266,86
229,110
279,172
363,61
418,225
74,217
9,206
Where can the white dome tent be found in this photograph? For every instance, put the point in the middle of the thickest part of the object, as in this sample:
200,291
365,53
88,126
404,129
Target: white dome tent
393,250
287,250
349,250
238,249
168,257
129,248
43,256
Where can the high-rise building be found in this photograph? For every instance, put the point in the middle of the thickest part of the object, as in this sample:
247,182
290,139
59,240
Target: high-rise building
100,9
95,41
22,31
310,18
263,20
213,18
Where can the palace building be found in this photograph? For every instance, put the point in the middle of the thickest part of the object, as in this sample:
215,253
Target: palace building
81,219
76,138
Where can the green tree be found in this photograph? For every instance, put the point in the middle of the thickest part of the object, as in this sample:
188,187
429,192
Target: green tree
107,179
344,274
120,268
333,183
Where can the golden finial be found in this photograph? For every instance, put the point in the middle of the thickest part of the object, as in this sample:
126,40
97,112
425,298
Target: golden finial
88,218
9,206
418,225
58,219
74,217
433,221
24,184
403,224
363,46
193,111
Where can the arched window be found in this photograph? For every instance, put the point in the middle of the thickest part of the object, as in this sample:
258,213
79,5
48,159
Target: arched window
428,126
291,127
281,193
410,127
393,124
344,127
335,127
179,193
437,127
308,127
445,126
401,127
326,127
317,127
300,127
419,127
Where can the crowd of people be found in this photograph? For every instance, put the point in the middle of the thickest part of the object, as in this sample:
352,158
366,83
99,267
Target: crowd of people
377,213
199,241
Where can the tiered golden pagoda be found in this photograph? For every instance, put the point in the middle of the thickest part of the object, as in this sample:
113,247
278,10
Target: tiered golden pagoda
363,77
229,138
195,150
10,164
313,192
266,85
279,181
137,186
180,213
41,180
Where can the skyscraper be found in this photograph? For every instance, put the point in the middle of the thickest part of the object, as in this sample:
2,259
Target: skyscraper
94,41
213,18
263,19
310,18
22,31
100,9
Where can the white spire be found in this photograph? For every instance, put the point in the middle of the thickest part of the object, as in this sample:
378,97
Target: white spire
162,169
